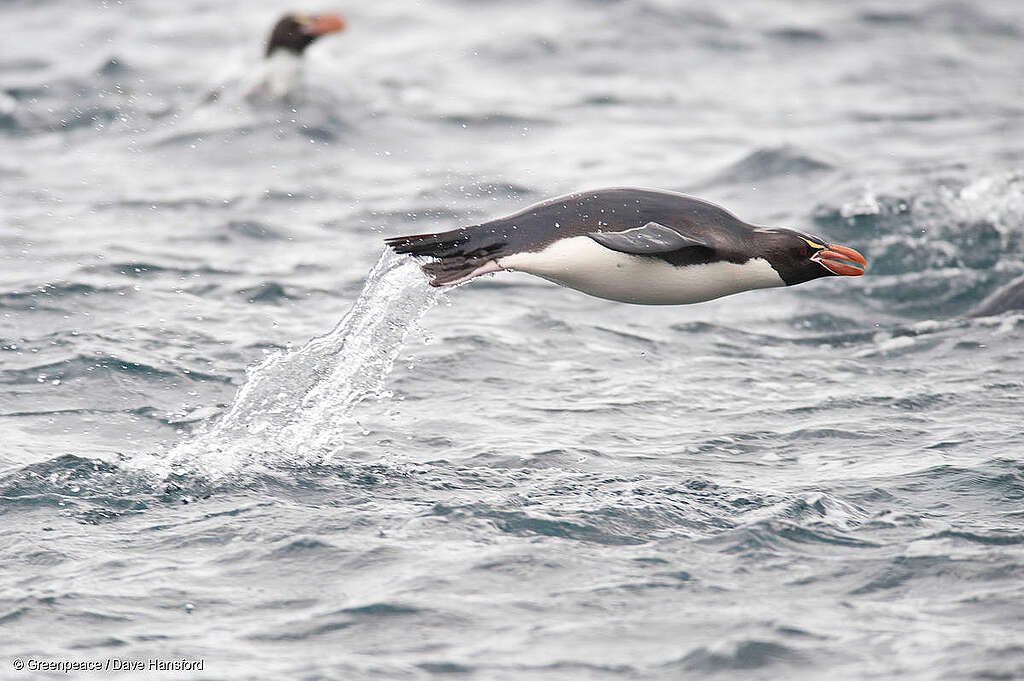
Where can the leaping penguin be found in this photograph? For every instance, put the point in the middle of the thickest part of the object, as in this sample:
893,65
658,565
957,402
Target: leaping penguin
641,246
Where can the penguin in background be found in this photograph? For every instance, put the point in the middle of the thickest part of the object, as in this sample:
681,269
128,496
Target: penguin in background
278,76
283,57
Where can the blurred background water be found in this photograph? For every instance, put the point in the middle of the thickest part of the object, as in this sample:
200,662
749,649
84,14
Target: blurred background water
547,486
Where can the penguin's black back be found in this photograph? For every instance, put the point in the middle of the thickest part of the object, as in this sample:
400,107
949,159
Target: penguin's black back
604,210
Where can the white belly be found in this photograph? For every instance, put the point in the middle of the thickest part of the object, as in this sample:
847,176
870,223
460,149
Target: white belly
278,76
583,264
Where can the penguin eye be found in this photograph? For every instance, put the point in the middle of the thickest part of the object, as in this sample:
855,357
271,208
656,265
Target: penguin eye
803,250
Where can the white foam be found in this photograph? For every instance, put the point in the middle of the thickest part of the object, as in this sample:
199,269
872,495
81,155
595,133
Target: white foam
296,406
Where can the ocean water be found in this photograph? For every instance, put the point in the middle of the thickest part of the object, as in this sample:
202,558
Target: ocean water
233,430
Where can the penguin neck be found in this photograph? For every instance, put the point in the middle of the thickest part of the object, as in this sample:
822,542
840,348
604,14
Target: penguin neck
769,246
282,73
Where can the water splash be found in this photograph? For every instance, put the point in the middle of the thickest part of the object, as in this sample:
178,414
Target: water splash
296,406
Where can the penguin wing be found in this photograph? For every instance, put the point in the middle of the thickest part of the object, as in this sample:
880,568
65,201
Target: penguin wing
651,239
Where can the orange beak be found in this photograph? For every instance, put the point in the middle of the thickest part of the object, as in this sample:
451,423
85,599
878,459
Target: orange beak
837,259
325,23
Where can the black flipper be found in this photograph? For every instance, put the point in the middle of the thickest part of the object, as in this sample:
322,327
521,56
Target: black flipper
651,239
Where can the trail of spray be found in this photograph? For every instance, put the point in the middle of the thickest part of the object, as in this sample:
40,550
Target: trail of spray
296,406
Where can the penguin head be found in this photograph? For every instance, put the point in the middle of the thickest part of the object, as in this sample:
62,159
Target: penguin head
799,257
295,32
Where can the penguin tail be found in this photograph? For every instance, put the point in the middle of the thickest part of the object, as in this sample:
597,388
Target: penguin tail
459,255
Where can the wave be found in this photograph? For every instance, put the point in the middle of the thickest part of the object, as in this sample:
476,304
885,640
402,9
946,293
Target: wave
327,623
795,525
797,35
226,118
493,119
940,249
972,212
141,269
267,292
92,490
1008,298
842,332
41,297
992,539
771,162
93,366
957,17
967,18
253,229
740,655
886,17
525,524
101,99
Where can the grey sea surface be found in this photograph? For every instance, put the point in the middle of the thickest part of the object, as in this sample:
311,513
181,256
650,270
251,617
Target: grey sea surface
509,480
